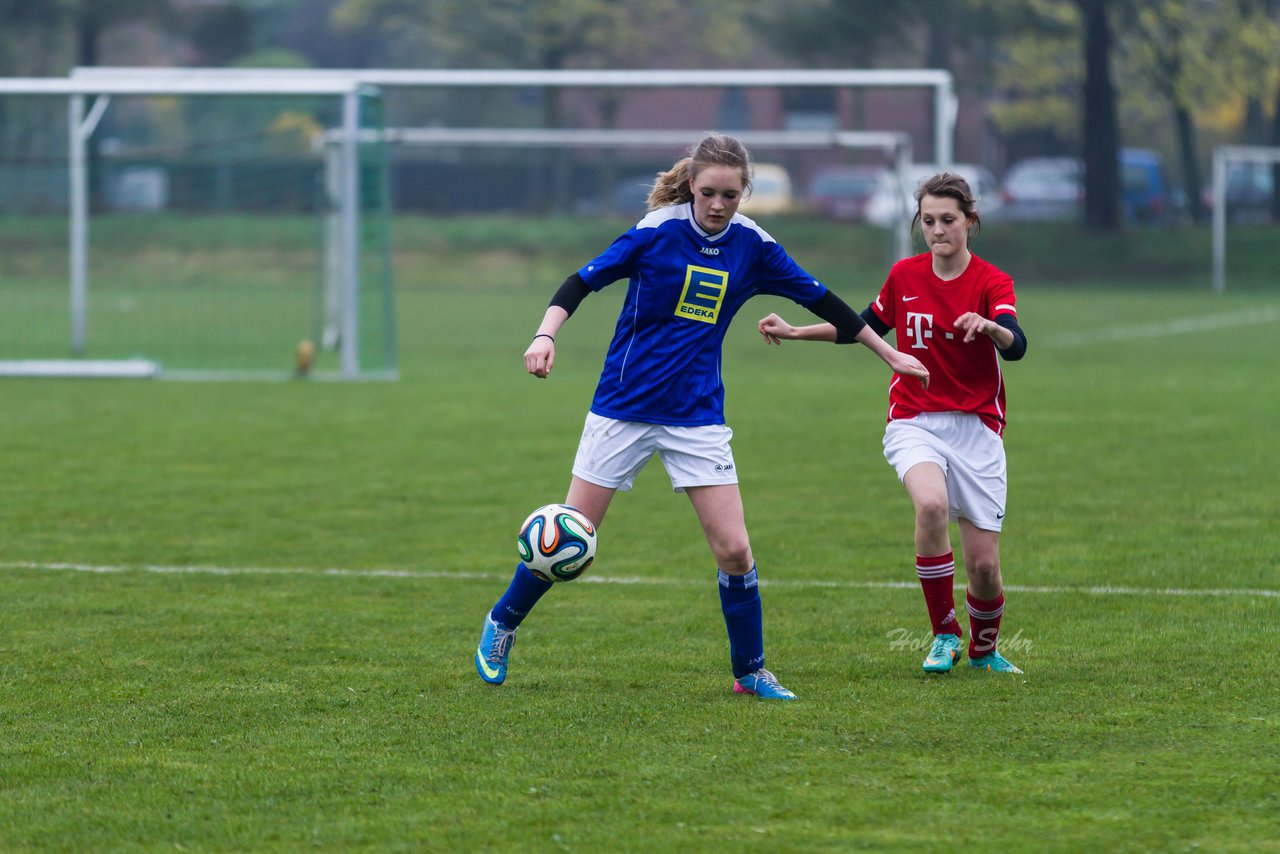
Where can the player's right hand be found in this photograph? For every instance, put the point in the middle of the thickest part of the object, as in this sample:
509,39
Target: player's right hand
909,366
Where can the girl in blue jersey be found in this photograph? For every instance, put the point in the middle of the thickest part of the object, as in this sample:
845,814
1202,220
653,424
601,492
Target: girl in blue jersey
691,263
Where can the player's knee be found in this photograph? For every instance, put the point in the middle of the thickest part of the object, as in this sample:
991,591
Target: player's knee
931,512
734,558
985,569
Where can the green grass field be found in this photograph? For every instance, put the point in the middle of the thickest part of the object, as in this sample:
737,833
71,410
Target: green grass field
240,616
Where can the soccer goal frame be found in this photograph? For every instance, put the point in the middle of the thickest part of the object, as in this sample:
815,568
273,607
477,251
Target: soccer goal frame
1223,157
938,81
88,98
895,145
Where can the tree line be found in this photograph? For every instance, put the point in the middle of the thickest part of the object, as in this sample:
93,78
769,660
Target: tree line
1054,76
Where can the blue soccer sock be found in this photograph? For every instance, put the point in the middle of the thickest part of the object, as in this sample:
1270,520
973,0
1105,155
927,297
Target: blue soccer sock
740,601
523,593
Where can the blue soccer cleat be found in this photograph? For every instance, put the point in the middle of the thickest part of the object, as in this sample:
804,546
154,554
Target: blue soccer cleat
943,654
763,684
491,655
995,662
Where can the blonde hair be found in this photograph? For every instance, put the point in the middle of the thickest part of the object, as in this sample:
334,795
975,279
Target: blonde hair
717,149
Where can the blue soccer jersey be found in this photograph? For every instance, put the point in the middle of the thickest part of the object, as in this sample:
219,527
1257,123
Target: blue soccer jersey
685,286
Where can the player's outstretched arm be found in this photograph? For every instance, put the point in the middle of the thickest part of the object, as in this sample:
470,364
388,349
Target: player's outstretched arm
900,362
541,355
774,329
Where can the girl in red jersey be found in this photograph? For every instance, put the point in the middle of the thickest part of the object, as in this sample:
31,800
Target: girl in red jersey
958,315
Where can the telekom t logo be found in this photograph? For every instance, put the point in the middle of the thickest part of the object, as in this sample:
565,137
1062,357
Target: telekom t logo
919,328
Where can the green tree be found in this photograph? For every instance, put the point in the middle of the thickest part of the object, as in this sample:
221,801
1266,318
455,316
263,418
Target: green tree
956,36
1175,47
1256,74
1101,130
89,19
551,34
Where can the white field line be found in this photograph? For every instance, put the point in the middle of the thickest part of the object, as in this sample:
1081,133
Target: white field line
1164,328
1105,590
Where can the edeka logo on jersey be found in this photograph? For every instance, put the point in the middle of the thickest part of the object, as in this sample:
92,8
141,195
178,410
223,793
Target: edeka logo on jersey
703,292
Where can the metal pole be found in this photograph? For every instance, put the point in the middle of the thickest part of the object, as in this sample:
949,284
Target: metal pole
1219,221
903,228
79,128
79,223
350,213
945,109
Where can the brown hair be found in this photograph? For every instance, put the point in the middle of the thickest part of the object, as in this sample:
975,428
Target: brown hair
717,149
952,186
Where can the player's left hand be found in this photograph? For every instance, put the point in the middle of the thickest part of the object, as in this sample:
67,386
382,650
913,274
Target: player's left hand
773,329
540,357
973,324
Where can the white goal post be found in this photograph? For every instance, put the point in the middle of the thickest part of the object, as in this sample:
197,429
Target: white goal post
1223,157
81,124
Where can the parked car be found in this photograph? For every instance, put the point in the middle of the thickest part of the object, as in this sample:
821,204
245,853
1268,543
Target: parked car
1052,188
842,192
889,207
770,191
1248,192
1145,194
1040,189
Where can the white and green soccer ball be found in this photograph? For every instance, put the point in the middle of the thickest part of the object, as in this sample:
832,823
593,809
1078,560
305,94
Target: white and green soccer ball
558,542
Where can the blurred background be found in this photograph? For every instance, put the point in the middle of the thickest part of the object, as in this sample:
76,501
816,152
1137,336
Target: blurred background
1049,92
218,232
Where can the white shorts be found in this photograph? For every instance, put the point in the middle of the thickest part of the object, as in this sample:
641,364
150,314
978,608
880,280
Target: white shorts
970,454
611,453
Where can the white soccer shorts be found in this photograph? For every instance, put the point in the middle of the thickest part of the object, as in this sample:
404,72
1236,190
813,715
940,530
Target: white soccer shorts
611,453
970,454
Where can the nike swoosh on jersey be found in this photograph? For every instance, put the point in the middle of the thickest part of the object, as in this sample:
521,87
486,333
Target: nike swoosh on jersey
909,299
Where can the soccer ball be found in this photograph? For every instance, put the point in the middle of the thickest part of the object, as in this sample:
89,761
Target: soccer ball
557,542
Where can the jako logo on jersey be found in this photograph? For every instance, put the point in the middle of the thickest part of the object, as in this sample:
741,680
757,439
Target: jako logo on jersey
710,250
703,292
919,328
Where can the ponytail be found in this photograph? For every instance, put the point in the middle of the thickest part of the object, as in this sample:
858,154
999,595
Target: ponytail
717,149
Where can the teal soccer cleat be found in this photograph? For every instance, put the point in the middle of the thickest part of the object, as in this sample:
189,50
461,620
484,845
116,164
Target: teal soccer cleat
995,662
763,684
943,654
491,655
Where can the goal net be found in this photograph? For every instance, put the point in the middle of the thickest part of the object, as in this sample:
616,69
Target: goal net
1243,190
616,167
191,233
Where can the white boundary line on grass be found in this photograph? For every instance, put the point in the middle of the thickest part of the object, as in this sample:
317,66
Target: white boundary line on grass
1163,328
1104,590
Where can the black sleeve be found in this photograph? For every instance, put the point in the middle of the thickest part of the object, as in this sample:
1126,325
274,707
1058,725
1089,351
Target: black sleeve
837,312
571,293
872,320
1018,348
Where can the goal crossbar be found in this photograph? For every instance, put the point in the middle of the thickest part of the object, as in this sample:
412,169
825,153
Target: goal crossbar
939,81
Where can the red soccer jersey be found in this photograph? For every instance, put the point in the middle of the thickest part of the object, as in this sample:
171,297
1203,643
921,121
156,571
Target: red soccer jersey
921,308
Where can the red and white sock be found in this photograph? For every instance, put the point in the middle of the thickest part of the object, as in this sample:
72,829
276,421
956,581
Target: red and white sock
984,623
937,575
